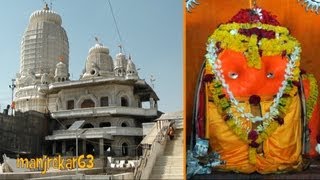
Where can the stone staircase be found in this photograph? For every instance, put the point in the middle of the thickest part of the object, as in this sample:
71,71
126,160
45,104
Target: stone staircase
170,164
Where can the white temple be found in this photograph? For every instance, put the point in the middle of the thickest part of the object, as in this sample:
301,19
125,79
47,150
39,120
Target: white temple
108,95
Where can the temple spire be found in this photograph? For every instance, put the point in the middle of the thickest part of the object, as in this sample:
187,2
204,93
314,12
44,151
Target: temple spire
46,7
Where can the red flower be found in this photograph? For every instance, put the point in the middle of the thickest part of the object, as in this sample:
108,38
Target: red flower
254,144
253,135
285,95
302,71
249,16
261,33
221,96
279,120
218,46
260,52
208,77
227,117
318,139
296,83
254,99
284,53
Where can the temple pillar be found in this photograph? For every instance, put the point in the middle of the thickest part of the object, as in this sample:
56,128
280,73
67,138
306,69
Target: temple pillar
84,146
63,148
101,150
54,147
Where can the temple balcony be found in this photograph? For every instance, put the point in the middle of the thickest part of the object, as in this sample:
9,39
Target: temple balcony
104,111
95,133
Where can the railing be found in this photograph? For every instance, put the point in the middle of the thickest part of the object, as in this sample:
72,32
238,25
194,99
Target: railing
113,130
106,132
150,154
104,111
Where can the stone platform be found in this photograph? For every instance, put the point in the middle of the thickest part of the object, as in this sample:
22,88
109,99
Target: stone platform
313,172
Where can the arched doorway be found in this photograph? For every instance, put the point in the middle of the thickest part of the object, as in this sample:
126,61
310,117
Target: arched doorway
124,102
124,124
125,149
87,103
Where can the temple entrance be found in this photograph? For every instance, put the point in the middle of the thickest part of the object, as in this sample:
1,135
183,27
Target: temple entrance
90,149
87,103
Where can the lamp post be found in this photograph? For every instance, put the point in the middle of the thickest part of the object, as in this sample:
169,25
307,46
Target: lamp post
12,87
75,126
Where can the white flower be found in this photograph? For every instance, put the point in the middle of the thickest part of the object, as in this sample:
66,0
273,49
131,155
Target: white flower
318,148
256,119
257,11
234,32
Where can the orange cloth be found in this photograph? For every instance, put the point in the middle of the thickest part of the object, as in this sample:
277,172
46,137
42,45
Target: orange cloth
282,150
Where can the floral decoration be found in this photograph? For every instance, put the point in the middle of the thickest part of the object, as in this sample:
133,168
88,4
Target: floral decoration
312,99
255,33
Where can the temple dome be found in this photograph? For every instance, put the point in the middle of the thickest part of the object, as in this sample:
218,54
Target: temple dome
46,15
61,72
99,62
120,65
131,71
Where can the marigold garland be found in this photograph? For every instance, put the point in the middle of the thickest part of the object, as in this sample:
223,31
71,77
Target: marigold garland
223,105
312,99
254,40
254,46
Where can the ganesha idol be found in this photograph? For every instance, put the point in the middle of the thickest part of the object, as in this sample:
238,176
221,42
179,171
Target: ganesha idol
254,104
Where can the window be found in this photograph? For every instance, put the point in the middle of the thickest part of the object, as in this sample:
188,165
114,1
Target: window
124,124
105,124
87,103
70,104
124,149
124,101
104,101
88,125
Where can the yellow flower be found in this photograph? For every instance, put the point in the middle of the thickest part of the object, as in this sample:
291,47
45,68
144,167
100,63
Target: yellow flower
252,155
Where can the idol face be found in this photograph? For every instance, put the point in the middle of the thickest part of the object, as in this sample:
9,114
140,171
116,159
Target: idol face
246,81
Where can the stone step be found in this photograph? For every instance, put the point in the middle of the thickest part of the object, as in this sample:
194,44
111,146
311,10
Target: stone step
176,145
167,170
169,160
173,153
176,151
167,176
173,158
169,163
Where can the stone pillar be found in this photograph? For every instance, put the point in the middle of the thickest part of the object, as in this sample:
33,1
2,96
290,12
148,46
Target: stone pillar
54,147
84,146
63,148
152,103
101,151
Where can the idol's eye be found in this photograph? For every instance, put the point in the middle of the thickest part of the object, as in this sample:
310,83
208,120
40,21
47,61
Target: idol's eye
233,75
270,75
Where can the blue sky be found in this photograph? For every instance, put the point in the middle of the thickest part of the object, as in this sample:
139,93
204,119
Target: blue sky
151,32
